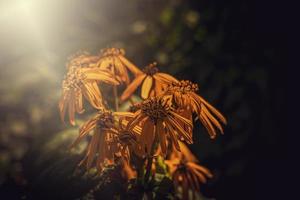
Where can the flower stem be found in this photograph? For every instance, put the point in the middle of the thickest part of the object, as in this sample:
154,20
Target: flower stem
150,158
116,97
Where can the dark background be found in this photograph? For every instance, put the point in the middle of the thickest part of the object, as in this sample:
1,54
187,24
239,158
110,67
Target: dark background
235,50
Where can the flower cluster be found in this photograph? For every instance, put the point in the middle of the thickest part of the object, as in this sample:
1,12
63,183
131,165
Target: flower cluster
154,129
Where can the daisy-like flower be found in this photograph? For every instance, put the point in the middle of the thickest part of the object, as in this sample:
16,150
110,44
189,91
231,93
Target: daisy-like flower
186,173
103,145
159,121
130,136
184,96
124,142
98,148
113,60
153,82
81,82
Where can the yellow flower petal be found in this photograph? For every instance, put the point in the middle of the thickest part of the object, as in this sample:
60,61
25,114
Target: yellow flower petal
146,87
136,71
101,75
214,110
79,103
166,77
72,110
173,137
147,135
132,87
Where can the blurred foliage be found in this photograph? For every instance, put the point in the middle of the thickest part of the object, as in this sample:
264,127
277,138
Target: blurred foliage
208,42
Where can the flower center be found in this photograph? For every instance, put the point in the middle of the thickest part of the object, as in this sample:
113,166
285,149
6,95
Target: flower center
155,108
80,59
184,86
151,69
112,52
74,79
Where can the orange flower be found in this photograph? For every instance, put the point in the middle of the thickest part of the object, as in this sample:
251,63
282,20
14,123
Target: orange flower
189,176
98,148
184,96
103,144
125,142
159,121
152,81
114,61
186,173
81,82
